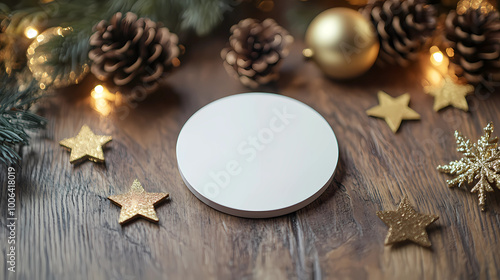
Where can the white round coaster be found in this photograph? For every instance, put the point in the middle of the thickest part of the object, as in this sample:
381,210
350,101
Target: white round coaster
257,155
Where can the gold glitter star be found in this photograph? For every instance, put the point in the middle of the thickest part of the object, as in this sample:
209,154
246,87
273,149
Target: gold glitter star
393,110
86,145
138,203
449,93
406,224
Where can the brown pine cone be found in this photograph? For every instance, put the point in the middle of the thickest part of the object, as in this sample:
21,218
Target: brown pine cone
403,27
132,52
255,51
474,35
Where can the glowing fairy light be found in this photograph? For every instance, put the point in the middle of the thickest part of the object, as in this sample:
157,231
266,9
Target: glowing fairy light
30,32
437,56
102,100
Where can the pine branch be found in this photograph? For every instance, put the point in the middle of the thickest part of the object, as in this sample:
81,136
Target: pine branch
15,118
178,15
70,53
203,15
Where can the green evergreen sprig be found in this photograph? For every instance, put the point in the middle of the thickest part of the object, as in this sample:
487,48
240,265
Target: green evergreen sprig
16,119
71,53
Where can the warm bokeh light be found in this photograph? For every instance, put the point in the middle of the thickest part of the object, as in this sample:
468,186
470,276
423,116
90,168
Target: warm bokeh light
450,52
438,68
433,77
102,100
30,32
484,6
98,92
99,89
308,53
437,58
102,106
176,62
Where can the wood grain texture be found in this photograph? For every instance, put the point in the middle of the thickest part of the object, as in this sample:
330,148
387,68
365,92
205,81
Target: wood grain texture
68,229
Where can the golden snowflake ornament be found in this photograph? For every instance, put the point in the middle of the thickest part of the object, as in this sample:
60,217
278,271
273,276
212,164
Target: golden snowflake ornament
480,164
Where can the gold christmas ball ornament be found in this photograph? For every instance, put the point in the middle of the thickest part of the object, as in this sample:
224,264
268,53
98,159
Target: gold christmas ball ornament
51,63
342,43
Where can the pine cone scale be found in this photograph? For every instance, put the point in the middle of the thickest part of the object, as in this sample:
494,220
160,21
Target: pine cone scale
272,58
157,50
471,66
466,50
260,66
242,63
134,67
230,57
123,78
110,67
478,38
246,72
155,75
396,24
138,35
490,55
381,31
99,73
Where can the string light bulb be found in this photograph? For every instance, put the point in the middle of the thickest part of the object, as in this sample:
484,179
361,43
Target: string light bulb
30,32
437,56
438,66
102,100
98,92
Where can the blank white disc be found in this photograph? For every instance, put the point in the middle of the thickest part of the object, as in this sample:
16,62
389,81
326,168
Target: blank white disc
257,155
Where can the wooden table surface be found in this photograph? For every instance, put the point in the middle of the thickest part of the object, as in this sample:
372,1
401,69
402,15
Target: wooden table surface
68,229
